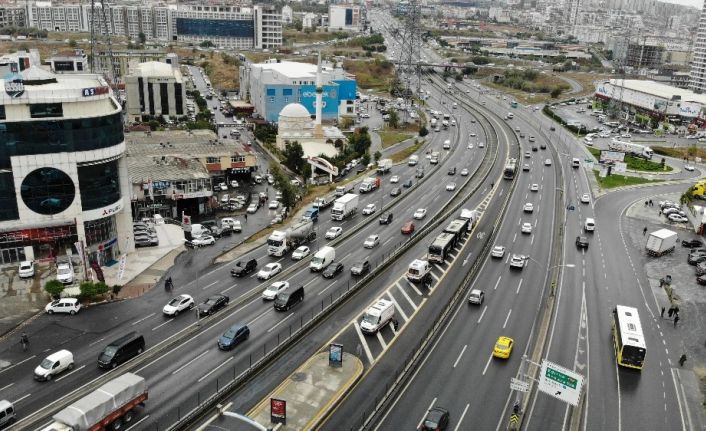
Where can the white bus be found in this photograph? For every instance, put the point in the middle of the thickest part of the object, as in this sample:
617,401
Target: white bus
628,341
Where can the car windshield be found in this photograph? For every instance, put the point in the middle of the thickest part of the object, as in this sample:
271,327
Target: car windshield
110,351
230,334
174,302
46,364
502,345
25,266
369,318
62,270
211,301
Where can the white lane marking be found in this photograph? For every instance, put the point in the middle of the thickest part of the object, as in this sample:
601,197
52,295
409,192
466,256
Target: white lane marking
397,306
325,289
460,355
225,290
310,281
137,423
436,265
18,363
67,375
514,238
519,285
209,285
5,387
461,418
190,362
214,370
434,276
388,240
250,323
380,339
20,399
419,425
410,284
364,343
96,342
507,318
162,324
414,306
483,313
497,282
143,319
279,323
487,364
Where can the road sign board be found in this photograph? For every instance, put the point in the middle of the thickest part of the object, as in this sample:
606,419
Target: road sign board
560,382
519,385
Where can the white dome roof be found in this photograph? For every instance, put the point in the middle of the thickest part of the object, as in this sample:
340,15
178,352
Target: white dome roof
295,110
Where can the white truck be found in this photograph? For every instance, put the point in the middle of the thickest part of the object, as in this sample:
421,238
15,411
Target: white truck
433,122
377,316
418,270
471,216
281,242
111,406
638,150
413,160
368,185
344,207
661,242
342,190
323,202
434,159
384,166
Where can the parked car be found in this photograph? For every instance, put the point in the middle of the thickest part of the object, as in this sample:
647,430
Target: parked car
213,304
64,305
26,269
203,241
692,243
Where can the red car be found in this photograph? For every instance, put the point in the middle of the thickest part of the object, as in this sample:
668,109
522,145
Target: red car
408,228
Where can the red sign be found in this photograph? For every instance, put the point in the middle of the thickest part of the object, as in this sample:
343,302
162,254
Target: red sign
185,219
278,411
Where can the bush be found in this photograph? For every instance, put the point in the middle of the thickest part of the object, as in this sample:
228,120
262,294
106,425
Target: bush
423,131
90,289
54,288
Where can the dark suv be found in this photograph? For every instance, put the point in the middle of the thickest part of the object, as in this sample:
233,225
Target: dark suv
361,267
696,256
437,419
386,218
581,242
241,270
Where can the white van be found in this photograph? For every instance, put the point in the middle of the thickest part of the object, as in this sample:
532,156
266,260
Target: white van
7,413
377,316
53,365
322,258
589,225
413,160
575,163
447,144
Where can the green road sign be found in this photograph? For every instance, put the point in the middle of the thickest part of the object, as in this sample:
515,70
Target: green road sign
561,378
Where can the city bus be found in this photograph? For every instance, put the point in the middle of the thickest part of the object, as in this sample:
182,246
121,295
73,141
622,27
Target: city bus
628,341
440,248
510,169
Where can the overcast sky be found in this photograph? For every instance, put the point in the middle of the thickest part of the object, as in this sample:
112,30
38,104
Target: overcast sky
696,3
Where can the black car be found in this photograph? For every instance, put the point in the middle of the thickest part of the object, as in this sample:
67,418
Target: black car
696,257
437,419
386,218
543,146
552,128
581,242
395,192
701,280
333,269
692,243
420,173
213,304
241,270
408,184
361,267
233,336
452,171
360,169
534,149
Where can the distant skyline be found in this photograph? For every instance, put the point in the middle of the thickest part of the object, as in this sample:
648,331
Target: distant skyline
695,3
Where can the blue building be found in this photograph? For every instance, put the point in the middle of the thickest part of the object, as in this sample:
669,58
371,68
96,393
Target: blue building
272,86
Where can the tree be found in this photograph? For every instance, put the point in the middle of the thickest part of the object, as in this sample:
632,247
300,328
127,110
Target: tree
142,38
90,289
394,120
54,288
359,142
293,153
298,24
365,159
346,123
289,193
556,91
154,124
72,43
206,44
423,131
377,155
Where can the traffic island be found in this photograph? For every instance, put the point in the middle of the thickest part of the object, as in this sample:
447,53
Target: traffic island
309,393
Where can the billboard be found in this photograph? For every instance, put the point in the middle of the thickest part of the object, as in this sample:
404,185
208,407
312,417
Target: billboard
611,156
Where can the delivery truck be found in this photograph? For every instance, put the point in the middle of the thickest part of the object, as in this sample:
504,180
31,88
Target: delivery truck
418,270
384,166
661,242
377,316
111,406
323,202
281,242
368,185
344,207
630,148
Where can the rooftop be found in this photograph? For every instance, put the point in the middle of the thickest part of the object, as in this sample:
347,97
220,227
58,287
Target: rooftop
660,90
293,69
143,169
181,143
156,69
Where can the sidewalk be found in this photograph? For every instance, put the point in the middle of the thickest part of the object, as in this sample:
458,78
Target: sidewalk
311,392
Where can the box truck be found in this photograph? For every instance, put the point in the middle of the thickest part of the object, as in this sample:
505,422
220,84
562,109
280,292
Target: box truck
344,207
661,242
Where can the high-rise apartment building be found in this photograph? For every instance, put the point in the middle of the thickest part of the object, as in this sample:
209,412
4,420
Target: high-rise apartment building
698,63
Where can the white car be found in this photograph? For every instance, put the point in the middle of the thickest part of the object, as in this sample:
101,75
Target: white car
269,271
234,184
585,198
65,273
395,179
225,198
333,232
26,269
252,209
369,209
528,208
223,186
450,187
525,167
464,172
372,241
273,290
534,188
518,261
526,227
203,240
677,218
689,168
178,304
470,146
481,145
548,162
273,205
301,252
497,251
528,154
420,213
63,305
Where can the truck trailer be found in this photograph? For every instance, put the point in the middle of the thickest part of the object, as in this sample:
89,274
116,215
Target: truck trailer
661,242
344,207
637,150
280,242
111,406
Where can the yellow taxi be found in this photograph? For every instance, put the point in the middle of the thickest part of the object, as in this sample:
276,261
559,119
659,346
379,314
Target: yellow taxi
503,347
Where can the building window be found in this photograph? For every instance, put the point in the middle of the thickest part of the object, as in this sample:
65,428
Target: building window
99,185
236,159
213,160
272,100
2,112
45,110
100,231
178,99
164,97
141,92
287,92
150,96
286,100
48,191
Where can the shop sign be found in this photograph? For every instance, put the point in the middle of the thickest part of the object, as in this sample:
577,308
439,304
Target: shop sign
95,91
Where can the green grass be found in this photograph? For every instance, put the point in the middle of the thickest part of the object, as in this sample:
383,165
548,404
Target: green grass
404,154
620,181
390,138
636,163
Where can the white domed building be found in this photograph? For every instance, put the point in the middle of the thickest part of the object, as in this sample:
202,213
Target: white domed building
296,125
